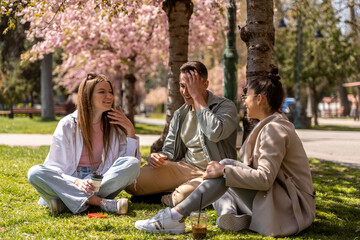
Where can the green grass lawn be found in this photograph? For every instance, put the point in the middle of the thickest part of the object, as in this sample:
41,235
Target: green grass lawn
338,207
23,124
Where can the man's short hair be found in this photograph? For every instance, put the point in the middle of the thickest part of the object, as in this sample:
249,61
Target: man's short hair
195,65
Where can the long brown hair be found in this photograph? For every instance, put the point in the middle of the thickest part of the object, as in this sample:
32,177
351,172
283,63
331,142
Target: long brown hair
85,111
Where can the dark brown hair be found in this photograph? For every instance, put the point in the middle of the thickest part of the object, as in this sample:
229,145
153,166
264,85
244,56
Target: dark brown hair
195,65
270,87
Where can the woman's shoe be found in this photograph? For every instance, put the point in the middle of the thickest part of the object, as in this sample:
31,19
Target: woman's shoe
119,206
234,222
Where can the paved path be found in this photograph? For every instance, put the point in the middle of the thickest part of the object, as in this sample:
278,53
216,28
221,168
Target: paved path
337,146
341,122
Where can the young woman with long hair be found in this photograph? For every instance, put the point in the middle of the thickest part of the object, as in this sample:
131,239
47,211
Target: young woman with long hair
96,138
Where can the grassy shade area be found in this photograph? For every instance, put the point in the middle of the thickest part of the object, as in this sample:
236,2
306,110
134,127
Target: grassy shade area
36,125
337,188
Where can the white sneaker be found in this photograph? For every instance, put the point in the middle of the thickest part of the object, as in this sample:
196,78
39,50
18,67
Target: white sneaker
119,206
161,222
122,206
233,222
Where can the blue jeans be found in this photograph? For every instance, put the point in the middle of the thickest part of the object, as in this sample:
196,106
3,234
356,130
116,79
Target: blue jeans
51,185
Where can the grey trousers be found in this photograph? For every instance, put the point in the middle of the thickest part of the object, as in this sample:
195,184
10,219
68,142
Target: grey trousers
224,199
51,185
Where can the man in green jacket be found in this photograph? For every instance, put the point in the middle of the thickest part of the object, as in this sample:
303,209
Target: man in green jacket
204,129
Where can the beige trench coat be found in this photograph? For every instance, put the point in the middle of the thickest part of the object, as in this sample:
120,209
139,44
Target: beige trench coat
285,202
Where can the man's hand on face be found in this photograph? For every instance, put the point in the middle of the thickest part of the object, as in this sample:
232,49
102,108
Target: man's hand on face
156,160
194,84
196,88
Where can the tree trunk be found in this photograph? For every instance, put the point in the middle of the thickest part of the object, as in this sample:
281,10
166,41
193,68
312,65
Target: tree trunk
353,20
315,104
230,55
128,92
47,95
259,36
121,92
128,96
11,115
178,13
344,102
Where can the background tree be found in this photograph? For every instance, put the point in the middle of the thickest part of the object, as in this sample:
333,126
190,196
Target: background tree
113,41
326,62
329,62
259,36
178,13
47,95
18,82
353,21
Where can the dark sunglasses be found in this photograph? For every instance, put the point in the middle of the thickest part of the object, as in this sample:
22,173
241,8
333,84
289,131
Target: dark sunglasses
90,76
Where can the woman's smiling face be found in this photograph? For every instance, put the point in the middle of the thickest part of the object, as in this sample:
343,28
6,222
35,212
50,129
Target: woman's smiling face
103,97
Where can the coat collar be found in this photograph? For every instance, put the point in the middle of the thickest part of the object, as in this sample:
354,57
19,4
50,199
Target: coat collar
212,99
247,150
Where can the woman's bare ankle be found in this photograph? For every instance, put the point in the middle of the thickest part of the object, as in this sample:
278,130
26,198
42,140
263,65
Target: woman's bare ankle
94,200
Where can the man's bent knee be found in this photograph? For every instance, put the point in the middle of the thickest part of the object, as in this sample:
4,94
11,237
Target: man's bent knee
184,191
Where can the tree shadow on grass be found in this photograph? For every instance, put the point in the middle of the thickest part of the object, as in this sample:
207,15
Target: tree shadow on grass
337,200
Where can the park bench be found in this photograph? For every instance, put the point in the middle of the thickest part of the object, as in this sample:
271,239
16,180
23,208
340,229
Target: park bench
60,109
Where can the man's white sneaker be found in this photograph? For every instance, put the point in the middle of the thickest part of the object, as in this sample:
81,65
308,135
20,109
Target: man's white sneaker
161,222
234,222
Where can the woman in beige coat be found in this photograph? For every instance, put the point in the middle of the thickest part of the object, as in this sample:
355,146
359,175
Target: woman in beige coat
270,191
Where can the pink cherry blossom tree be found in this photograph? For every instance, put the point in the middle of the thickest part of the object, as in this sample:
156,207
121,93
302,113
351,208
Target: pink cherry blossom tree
93,39
123,39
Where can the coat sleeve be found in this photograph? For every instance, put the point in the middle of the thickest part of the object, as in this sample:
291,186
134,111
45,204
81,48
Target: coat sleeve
267,158
218,125
61,157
